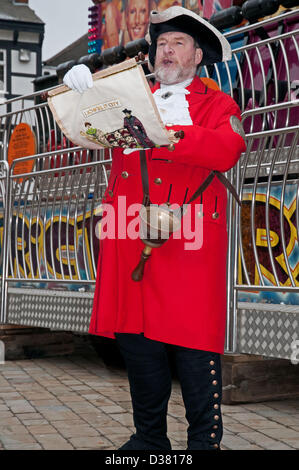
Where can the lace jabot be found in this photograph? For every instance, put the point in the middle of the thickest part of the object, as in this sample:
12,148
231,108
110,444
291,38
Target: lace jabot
172,104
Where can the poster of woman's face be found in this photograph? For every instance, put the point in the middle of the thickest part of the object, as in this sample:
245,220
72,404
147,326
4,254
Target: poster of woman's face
136,16
127,20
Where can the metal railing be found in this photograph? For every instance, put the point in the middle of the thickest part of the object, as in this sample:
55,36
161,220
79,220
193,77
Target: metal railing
4,184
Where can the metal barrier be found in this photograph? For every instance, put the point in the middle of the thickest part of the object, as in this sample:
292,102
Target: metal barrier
50,217
265,290
4,172
51,225
50,247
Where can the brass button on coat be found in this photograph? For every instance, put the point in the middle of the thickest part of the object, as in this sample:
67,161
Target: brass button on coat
157,180
213,372
213,435
212,363
214,382
216,395
216,446
125,174
216,417
215,215
216,406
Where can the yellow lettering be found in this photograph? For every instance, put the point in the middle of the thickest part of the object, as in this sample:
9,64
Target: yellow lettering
261,238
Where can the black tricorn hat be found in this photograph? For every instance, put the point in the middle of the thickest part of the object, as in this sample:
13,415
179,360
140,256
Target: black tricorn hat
214,45
127,111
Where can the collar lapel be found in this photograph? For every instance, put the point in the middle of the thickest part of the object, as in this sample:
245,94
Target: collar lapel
198,91
197,86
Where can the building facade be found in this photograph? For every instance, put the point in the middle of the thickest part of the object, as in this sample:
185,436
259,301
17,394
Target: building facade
21,38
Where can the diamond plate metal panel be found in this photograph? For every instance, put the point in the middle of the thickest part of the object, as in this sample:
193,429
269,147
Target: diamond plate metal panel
267,332
58,310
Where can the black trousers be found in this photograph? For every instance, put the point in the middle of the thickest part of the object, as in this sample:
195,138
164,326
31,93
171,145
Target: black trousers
150,378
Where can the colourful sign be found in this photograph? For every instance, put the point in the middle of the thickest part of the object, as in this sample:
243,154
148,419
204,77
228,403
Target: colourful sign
127,20
54,245
21,144
281,235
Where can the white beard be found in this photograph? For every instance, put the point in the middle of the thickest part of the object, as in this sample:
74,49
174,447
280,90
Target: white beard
176,75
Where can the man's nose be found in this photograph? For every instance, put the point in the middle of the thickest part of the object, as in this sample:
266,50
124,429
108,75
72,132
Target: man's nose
168,49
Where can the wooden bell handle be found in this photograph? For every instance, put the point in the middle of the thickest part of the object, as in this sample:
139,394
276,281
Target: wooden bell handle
137,274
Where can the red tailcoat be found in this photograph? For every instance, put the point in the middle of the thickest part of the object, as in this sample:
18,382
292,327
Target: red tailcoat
182,297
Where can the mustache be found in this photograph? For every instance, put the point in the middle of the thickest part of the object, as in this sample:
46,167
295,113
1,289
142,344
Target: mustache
167,60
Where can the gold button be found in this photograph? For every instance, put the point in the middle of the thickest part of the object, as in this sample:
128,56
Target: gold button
216,446
216,406
213,435
110,193
157,180
216,395
215,215
215,426
213,372
125,174
214,382
216,417
212,363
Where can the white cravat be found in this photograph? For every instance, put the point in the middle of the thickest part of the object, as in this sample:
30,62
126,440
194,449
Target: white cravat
172,104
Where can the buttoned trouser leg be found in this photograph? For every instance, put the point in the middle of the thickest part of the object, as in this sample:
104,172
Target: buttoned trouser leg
199,374
150,385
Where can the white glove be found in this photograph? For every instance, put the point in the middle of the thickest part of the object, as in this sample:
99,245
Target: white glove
79,78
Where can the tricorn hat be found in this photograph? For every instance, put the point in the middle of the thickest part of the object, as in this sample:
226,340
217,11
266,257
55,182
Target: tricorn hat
213,44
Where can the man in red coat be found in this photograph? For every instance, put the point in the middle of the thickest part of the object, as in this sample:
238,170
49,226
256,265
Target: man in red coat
180,304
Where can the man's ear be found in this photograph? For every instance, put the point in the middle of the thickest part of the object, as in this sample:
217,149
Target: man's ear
198,55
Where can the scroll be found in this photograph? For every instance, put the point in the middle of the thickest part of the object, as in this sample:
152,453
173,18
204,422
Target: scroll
118,111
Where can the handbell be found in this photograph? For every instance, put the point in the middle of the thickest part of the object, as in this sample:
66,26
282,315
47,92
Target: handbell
157,223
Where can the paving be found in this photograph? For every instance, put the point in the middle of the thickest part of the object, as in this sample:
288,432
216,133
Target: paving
80,402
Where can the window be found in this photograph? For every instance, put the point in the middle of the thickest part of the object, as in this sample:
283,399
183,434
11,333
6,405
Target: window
2,72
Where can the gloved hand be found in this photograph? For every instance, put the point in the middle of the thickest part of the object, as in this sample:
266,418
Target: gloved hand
78,78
